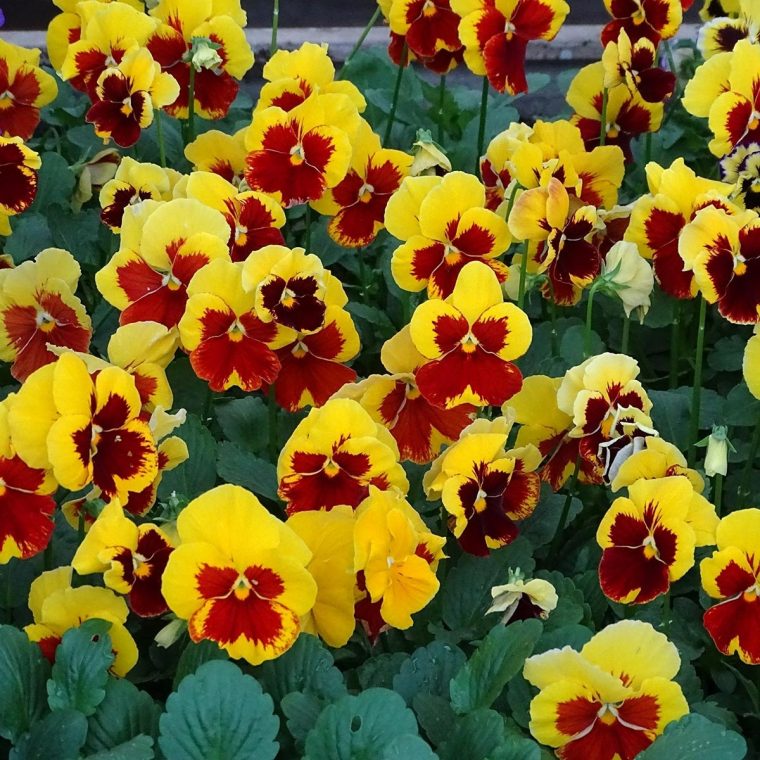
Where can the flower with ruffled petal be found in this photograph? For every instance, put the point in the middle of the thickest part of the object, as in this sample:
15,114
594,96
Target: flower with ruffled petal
654,19
470,341
132,558
330,538
716,8
334,456
612,699
357,203
732,576
296,155
741,168
38,308
24,89
57,607
219,153
18,179
162,247
444,225
496,34
720,34
710,81
239,575
676,195
397,557
484,487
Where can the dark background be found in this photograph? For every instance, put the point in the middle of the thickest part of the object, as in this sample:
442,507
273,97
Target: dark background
35,14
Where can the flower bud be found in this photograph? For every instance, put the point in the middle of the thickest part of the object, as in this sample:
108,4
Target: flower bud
716,459
428,156
204,55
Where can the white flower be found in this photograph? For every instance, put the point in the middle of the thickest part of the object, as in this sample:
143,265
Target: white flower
629,276
716,459
506,598
428,156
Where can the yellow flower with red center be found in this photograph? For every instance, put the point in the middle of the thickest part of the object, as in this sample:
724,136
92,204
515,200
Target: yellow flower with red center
219,153
24,89
628,114
255,219
126,96
94,174
228,344
723,252
109,31
485,487
57,607
712,9
182,22
333,457
397,558
751,365
132,558
496,34
133,183
330,538
239,576
732,576
18,178
162,247
470,341
722,33
394,400
297,155
38,308
710,81
676,195
653,19
648,539
87,430
444,225
595,703
563,233
294,75
357,203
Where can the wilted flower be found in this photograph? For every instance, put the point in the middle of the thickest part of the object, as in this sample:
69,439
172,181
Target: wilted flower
93,174
628,276
428,156
520,600
716,457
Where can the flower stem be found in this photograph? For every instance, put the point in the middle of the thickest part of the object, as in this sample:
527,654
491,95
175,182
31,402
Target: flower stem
603,117
625,340
587,331
718,492
160,137
191,105
523,276
696,390
565,509
275,27
675,342
441,101
396,92
743,491
363,36
482,124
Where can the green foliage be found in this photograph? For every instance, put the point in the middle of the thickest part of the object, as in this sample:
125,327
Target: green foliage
237,466
694,737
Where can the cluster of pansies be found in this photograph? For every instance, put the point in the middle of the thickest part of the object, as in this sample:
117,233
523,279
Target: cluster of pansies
379,356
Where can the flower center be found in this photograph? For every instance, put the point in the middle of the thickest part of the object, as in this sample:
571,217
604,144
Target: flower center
126,106
469,343
613,130
45,321
300,350
140,566
480,501
170,281
236,332
608,714
740,265
451,254
241,235
650,547
331,469
95,434
428,9
754,121
751,594
365,192
509,29
288,298
242,587
297,155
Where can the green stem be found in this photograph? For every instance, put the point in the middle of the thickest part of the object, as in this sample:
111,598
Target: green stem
587,331
482,124
675,342
160,136
696,390
362,275
441,102
625,340
191,106
47,557
647,148
523,276
743,492
307,234
562,524
275,27
207,404
718,492
273,442
603,115
396,92
363,36
666,611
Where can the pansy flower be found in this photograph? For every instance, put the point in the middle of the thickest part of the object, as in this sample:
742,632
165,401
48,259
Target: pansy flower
357,203
24,89
126,96
751,364
723,252
720,34
427,27
93,175
712,9
496,34
732,577
484,487
495,166
521,600
565,252
676,195
595,703
215,86
710,80
333,457
470,342
444,225
741,168
228,344
219,153
18,179
38,308
239,575
132,558
58,607
255,219
162,247
654,19
296,155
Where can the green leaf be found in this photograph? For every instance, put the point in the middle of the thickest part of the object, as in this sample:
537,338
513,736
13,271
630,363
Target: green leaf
517,748
234,465
139,748
435,716
23,672
741,409
219,714
571,347
671,413
194,655
408,747
541,526
475,736
301,712
78,234
187,385
356,726
571,606
245,422
499,657
55,183
429,670
31,234
59,735
381,669
80,673
124,714
694,737
727,354
198,473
